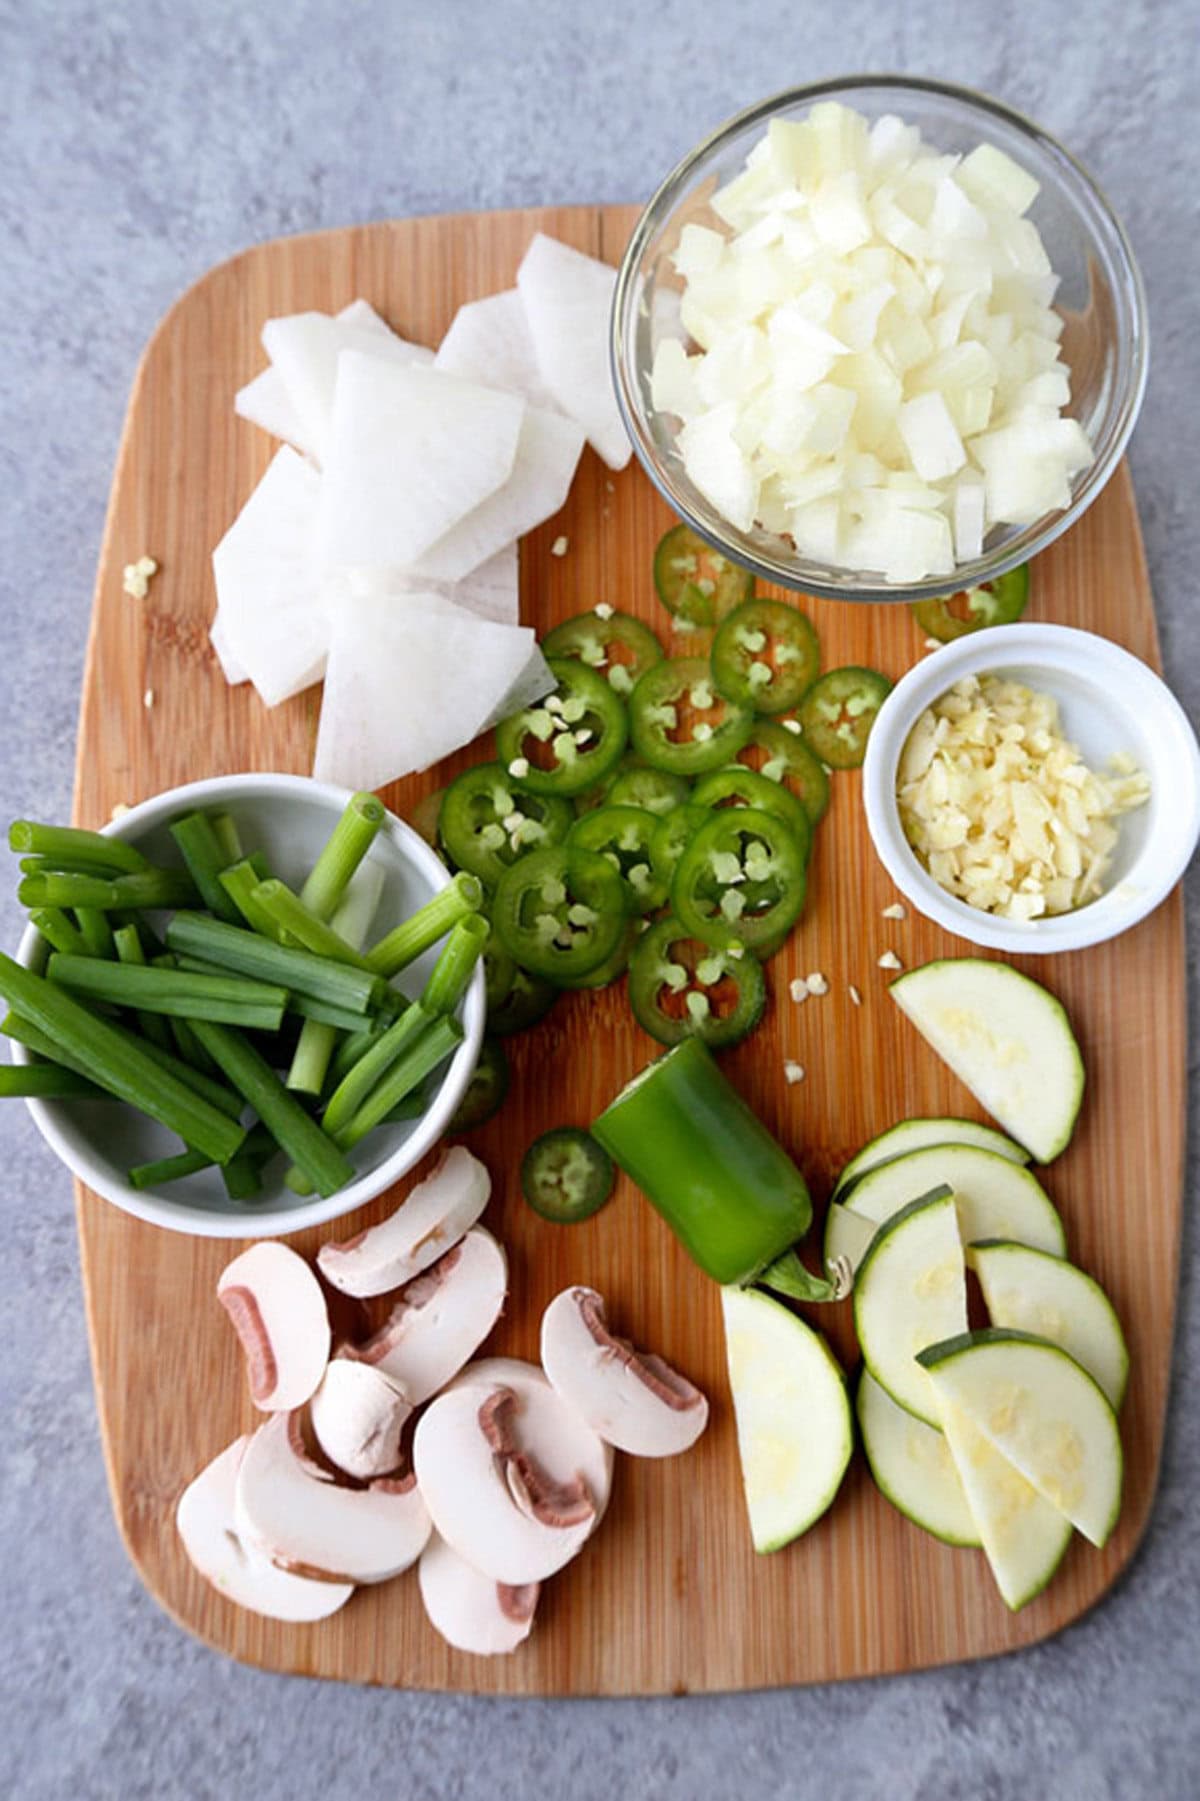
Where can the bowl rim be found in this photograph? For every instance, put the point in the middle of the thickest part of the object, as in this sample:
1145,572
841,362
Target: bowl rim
1064,649
177,1215
966,575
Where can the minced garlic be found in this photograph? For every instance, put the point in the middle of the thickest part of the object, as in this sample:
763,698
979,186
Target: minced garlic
1002,809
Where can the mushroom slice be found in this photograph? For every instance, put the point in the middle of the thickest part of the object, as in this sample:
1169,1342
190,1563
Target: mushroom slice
278,1311
472,1612
307,1523
204,1520
358,1415
440,1318
432,1218
634,1400
514,1480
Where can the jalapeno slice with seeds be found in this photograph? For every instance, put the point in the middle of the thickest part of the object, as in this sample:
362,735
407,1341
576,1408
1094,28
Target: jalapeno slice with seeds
528,999
680,987
566,1175
486,823
766,656
612,968
740,880
679,723
782,756
999,602
671,836
697,584
741,787
561,912
838,712
569,741
623,836
620,648
485,1092
653,789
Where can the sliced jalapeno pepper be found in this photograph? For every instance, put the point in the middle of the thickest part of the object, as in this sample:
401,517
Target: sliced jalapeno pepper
683,988
780,754
741,787
671,835
838,712
620,648
485,1092
765,656
499,970
623,836
566,1175
529,998
740,880
697,584
999,602
612,968
653,789
679,723
486,823
425,816
569,741
560,912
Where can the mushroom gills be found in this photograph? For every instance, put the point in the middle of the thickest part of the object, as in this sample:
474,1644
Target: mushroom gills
358,1415
631,1398
440,1318
428,1222
276,1307
469,1610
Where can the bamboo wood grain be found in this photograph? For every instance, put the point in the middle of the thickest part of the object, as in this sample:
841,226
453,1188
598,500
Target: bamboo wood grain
670,1596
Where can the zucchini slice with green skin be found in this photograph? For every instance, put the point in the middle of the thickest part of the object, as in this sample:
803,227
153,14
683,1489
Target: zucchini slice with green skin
1043,1413
917,1135
794,1427
913,1466
911,1291
847,1235
1024,1538
1030,1292
996,1197
1007,1038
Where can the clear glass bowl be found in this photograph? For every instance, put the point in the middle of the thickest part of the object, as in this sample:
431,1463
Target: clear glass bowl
1100,297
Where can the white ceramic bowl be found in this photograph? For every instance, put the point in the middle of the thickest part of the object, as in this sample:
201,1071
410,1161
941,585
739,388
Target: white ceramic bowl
289,818
1109,701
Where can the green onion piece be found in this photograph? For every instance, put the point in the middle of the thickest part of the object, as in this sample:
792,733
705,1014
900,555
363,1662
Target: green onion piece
455,966
349,842
226,833
235,948
463,894
239,884
216,1093
141,888
59,930
169,1169
295,920
190,1049
358,1083
404,1075
201,850
310,1149
242,1175
69,847
47,1082
230,1000
128,941
118,1062
317,1041
322,1013
97,933
354,1046
311,1058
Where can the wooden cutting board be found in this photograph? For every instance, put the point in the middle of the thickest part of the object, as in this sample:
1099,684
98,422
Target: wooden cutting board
669,1597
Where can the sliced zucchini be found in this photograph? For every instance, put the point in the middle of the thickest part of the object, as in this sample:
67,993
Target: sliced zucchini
912,1466
1024,1538
1030,1292
1007,1038
910,1286
847,1235
795,1434
1043,1412
996,1197
916,1135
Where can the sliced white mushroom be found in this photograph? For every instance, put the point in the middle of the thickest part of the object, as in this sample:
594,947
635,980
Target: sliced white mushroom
297,1516
358,1415
472,1612
440,1318
631,1398
514,1480
204,1520
434,1216
278,1311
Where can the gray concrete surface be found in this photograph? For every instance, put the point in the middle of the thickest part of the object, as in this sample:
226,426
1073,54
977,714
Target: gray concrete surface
142,141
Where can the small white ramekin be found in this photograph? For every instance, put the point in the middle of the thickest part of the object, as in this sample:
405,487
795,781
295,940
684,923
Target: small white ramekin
1109,701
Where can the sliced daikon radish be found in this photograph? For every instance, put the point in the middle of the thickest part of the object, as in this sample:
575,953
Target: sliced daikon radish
304,348
568,298
272,596
488,341
231,669
410,678
493,591
412,452
264,401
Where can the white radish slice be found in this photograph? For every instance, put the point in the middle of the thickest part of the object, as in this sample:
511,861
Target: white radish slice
204,1520
358,1415
536,678
568,298
304,348
489,341
440,1318
492,591
231,669
411,453
547,454
470,1611
432,1218
409,678
305,1522
277,1309
264,401
272,599
634,1401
